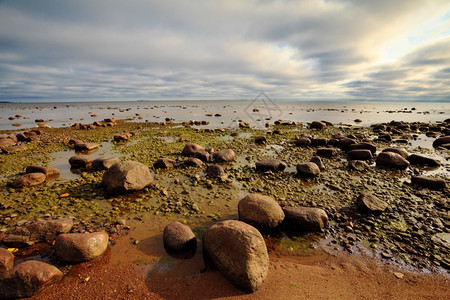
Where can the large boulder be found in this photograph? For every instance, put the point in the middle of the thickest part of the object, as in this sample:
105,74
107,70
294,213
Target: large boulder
435,183
416,159
80,247
127,176
26,279
40,231
6,260
239,252
104,162
225,155
178,237
308,170
164,163
305,218
80,161
318,161
273,165
260,211
399,150
30,179
391,160
366,202
191,148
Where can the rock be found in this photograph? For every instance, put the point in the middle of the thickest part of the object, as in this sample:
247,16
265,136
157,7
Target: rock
122,137
202,155
41,231
416,159
429,182
6,142
318,161
367,202
75,141
367,146
6,260
85,146
308,170
328,152
195,162
305,218
319,142
126,177
260,211
225,155
239,252
215,171
358,165
178,237
273,165
80,247
104,162
399,150
81,162
360,154
191,148
303,141
345,143
260,140
164,163
30,179
27,279
391,160
441,141
318,125
12,149
385,137
48,172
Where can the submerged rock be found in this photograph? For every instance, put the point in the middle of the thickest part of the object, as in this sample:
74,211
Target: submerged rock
239,252
274,165
27,279
49,172
305,218
80,247
126,177
367,202
260,211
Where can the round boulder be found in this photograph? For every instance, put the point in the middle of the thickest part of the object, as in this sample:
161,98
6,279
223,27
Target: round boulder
391,160
305,218
80,247
191,148
239,252
367,202
215,171
260,211
308,170
225,155
127,176
178,237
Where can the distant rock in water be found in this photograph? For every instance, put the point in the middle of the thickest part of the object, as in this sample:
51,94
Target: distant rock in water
81,162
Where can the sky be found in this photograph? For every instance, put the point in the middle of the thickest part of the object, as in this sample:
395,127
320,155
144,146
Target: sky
168,49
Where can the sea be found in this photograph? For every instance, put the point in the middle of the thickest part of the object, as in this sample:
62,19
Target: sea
220,113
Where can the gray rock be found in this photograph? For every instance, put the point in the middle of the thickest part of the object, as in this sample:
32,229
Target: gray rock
429,182
225,155
399,150
305,218
274,165
104,162
239,252
191,148
391,160
27,279
215,171
328,152
178,237
360,154
80,247
164,163
416,159
30,179
260,211
127,176
367,202
80,161
308,170
6,260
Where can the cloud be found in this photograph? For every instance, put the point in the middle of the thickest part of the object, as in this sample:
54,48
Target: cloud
231,49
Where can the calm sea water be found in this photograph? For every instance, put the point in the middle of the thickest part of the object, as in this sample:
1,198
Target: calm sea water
220,113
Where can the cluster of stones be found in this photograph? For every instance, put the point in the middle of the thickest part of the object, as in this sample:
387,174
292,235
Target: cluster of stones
237,248
14,143
29,277
97,124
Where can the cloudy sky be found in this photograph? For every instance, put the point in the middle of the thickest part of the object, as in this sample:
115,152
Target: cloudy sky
169,49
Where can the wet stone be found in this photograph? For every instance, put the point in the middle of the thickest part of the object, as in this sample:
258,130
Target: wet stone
49,172
260,211
399,150
435,183
80,247
104,163
367,202
178,237
308,170
85,146
81,162
30,179
305,219
6,260
391,160
164,163
274,165
328,152
416,159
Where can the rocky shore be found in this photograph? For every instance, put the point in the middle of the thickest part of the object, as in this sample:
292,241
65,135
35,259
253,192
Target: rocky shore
381,190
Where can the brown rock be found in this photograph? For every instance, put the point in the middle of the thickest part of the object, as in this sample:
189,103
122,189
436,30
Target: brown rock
126,177
195,162
80,247
178,237
399,150
260,211
6,260
12,149
308,170
367,146
358,165
303,141
274,165
260,139
104,162
328,152
164,163
225,155
215,171
202,155
318,125
435,183
305,218
441,141
239,252
318,161
360,154
30,179
49,172
85,146
6,142
81,162
367,202
391,160
191,148
416,159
